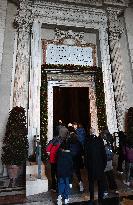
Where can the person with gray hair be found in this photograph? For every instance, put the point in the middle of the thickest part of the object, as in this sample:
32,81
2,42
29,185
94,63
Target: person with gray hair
63,131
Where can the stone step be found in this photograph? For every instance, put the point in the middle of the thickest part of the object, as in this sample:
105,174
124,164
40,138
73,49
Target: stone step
33,169
12,191
36,186
33,184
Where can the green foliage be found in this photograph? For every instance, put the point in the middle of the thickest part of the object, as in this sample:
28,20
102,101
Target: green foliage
15,143
43,113
100,100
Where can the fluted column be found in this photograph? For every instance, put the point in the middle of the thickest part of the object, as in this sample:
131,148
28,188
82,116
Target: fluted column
115,31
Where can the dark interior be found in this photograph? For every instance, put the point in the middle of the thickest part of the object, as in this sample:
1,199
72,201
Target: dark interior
71,104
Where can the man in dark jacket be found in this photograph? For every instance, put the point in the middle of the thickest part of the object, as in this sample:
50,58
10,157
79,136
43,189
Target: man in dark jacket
64,172
96,161
122,142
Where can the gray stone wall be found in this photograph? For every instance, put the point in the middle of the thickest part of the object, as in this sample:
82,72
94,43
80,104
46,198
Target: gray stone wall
6,74
129,30
3,9
127,77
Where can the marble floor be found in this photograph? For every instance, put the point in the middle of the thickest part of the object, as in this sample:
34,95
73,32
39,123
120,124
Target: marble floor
16,195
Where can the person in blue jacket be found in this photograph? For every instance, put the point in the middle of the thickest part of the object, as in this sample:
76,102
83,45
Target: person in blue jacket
81,133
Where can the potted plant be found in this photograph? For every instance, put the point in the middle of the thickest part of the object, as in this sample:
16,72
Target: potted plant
15,143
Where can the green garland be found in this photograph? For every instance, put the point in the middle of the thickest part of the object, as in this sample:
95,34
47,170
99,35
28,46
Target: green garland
43,113
100,98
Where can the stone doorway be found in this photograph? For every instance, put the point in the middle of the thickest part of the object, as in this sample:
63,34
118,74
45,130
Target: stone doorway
71,104
71,76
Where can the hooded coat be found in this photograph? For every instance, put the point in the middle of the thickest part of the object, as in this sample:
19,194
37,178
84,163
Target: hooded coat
96,158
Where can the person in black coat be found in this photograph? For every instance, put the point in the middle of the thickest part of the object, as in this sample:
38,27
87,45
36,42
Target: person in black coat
76,150
96,161
64,172
122,143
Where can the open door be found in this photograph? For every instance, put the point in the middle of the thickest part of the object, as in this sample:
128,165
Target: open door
71,104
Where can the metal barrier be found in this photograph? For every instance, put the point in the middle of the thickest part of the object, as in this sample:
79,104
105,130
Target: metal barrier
38,157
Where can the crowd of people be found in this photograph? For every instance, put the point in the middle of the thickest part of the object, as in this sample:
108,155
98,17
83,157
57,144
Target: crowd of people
72,148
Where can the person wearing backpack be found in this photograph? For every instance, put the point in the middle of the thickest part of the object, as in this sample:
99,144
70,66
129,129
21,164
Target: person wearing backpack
128,153
76,152
52,149
64,172
110,182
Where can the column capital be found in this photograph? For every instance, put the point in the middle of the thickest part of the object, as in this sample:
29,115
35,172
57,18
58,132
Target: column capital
114,25
24,17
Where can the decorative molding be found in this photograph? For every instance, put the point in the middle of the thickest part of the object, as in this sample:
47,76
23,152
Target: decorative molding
64,80
115,2
96,3
87,2
61,35
74,77
74,13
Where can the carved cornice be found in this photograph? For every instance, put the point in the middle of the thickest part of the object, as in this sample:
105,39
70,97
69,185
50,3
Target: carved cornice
97,3
84,2
121,3
60,12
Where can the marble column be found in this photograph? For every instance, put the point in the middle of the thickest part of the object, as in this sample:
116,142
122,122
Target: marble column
22,22
107,80
93,107
115,31
34,84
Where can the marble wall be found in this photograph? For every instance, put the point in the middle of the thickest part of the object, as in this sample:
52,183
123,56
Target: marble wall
6,71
